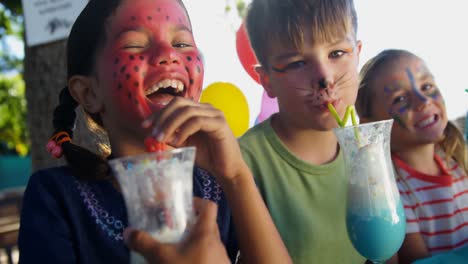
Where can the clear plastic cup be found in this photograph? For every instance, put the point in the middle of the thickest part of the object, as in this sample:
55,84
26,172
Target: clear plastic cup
157,189
375,218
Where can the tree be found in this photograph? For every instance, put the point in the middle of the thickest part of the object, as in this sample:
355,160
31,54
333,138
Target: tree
13,133
45,76
240,7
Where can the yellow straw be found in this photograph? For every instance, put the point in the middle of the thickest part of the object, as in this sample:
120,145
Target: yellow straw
350,111
353,117
335,114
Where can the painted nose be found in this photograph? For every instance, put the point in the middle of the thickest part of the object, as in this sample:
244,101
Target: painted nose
165,55
321,74
323,83
421,102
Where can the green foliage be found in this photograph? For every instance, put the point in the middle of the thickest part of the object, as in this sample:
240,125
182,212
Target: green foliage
11,28
240,7
11,20
13,132
13,5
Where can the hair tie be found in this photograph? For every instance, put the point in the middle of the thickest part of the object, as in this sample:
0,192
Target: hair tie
54,145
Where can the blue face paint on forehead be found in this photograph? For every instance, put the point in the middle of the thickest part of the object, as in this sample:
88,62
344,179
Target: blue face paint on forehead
414,87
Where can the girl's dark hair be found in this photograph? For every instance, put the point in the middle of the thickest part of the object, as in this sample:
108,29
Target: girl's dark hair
86,38
86,164
87,34
453,143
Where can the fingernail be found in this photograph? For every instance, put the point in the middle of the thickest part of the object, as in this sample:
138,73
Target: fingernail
160,136
155,132
146,123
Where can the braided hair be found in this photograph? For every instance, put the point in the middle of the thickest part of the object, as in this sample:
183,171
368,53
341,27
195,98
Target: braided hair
86,164
86,37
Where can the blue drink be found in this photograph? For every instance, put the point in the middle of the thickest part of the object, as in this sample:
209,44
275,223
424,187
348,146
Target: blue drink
375,218
377,237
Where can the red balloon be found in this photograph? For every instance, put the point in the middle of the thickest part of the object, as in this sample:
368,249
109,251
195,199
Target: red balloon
245,53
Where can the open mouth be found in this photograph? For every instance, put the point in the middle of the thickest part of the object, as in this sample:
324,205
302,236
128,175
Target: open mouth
171,87
427,122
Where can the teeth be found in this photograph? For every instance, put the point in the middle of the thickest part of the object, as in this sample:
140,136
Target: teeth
180,87
166,83
153,89
426,122
174,83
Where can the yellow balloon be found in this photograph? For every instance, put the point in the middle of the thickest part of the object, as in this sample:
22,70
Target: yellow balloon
231,101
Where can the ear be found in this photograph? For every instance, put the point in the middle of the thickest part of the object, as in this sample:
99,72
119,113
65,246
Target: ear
359,48
265,81
83,90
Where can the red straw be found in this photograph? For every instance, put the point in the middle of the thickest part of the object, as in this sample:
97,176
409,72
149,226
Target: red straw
152,145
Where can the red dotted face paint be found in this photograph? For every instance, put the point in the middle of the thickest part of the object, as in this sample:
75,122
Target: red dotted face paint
149,58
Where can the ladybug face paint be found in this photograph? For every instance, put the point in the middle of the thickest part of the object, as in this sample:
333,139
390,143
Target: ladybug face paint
149,57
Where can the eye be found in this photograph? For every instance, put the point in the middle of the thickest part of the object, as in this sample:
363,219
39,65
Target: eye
427,87
182,39
295,65
181,45
134,46
337,54
132,41
398,99
290,67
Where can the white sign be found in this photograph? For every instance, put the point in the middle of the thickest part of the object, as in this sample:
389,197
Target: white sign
50,20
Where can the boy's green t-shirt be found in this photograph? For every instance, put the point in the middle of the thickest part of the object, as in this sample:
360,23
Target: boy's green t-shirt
306,202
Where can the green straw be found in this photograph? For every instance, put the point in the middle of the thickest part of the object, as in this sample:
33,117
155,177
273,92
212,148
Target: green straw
335,114
350,111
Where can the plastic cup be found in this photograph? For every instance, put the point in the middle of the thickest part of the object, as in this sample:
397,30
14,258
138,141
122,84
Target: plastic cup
157,189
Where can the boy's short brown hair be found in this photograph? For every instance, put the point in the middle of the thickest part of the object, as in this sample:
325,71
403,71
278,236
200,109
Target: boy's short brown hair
273,22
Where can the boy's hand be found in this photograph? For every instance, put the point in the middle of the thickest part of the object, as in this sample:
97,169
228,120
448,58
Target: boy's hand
202,245
184,122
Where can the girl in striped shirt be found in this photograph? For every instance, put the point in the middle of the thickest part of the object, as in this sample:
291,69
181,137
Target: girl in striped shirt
428,151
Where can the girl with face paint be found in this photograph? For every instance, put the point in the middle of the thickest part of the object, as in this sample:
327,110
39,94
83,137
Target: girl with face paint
135,69
428,151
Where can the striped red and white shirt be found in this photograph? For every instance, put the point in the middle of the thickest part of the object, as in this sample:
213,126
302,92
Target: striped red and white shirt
435,206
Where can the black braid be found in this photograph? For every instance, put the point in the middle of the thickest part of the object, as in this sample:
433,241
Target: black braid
64,113
87,165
